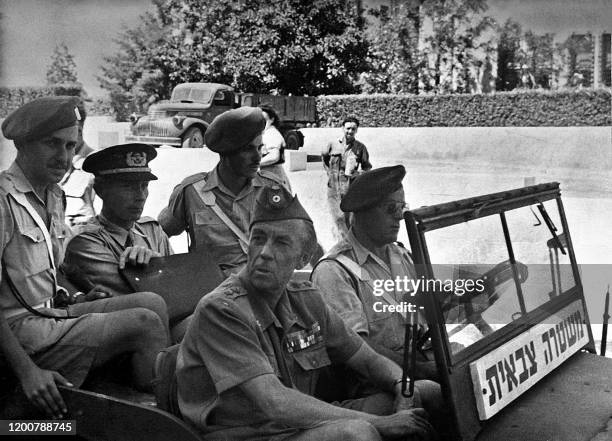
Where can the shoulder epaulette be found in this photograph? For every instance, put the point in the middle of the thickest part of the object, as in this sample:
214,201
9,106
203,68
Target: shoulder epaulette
193,179
146,220
300,285
267,174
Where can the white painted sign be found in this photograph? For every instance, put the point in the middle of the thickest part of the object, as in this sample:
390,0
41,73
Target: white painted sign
510,370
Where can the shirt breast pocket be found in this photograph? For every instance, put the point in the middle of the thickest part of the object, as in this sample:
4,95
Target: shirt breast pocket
211,231
33,257
312,359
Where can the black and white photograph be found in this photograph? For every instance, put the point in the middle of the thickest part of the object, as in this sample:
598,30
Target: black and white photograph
306,220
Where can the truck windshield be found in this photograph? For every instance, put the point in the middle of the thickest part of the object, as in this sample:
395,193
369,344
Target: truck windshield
191,94
492,271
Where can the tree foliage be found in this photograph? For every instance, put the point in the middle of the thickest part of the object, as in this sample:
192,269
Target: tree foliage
393,58
62,69
525,59
455,45
290,46
428,45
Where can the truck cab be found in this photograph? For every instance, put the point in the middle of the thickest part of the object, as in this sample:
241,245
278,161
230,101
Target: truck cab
506,311
183,120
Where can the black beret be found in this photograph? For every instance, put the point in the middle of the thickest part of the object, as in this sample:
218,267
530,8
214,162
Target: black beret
41,117
232,130
370,187
129,162
275,203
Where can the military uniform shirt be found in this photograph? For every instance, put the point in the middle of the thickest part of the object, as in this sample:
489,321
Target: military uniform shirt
93,254
231,340
22,244
335,157
356,304
187,210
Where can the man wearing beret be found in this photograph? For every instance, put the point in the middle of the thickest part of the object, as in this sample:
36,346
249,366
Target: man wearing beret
215,207
78,184
118,236
248,366
43,345
347,274
342,158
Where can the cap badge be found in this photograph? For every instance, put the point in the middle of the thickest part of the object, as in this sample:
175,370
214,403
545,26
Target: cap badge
77,114
136,159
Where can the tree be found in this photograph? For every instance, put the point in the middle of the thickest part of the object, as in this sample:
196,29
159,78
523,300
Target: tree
508,55
290,46
62,68
524,59
393,56
454,43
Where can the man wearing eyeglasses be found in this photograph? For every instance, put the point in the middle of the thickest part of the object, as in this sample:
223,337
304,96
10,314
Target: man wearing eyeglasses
352,275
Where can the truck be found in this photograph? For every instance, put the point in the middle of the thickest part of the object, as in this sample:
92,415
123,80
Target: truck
183,120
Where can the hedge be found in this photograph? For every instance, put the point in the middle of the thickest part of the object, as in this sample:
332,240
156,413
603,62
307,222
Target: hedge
13,97
586,107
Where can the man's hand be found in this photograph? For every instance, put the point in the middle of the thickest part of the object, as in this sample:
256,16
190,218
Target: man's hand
136,256
39,387
405,403
404,423
97,292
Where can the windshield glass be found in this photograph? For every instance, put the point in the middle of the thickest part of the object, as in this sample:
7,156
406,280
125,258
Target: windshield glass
191,94
478,288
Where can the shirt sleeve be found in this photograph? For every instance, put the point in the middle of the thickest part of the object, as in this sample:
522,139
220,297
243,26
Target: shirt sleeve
341,342
339,293
172,218
365,159
89,262
6,229
228,344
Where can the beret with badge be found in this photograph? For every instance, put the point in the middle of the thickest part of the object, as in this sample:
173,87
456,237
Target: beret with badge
275,203
370,187
41,117
129,162
232,130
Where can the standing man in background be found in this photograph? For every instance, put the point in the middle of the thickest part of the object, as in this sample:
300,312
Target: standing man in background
78,184
342,158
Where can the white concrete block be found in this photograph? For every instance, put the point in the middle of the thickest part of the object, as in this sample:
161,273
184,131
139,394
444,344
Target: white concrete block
295,160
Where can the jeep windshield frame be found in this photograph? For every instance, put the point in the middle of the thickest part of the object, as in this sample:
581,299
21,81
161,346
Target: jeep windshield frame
511,217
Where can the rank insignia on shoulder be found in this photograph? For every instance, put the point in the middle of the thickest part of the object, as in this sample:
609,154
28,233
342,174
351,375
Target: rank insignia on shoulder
297,341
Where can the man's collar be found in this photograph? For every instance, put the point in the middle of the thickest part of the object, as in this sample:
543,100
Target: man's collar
361,252
23,185
213,180
266,317
119,233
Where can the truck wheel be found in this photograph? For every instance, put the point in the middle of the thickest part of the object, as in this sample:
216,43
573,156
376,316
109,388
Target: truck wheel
193,138
294,140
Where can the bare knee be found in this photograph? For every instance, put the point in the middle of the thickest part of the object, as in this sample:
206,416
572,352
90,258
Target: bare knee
358,430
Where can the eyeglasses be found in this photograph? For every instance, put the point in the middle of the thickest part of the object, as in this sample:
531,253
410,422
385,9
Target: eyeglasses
396,209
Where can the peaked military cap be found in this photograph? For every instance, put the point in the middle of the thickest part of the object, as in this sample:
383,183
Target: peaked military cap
232,130
41,117
129,162
370,187
275,203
